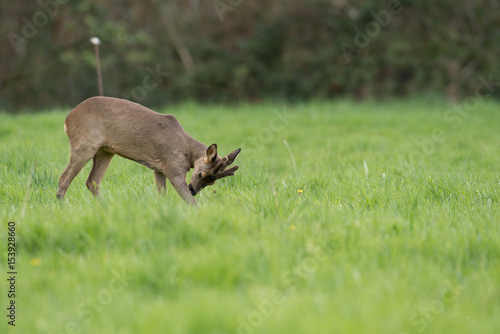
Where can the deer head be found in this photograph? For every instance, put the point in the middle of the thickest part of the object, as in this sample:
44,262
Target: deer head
210,168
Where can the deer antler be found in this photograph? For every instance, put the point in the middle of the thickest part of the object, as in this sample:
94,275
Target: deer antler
220,170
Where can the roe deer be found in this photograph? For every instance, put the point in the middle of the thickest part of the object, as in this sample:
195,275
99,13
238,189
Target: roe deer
100,127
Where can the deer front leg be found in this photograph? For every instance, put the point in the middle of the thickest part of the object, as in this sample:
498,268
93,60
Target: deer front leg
161,182
179,183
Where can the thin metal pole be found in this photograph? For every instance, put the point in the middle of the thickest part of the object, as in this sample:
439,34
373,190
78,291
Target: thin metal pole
97,42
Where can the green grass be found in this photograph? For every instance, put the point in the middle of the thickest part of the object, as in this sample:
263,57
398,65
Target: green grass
394,232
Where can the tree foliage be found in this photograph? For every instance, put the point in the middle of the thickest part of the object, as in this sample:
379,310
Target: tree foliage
157,52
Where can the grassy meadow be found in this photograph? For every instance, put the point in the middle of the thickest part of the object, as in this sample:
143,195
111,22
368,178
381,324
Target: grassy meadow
375,217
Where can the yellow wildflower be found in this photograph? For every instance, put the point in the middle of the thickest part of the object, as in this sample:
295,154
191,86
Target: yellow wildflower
36,262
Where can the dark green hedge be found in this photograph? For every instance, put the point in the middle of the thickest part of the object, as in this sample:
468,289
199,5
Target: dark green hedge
240,50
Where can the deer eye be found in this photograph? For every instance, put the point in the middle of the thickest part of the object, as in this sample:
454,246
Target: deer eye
199,175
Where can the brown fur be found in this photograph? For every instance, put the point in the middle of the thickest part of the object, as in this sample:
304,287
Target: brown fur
100,127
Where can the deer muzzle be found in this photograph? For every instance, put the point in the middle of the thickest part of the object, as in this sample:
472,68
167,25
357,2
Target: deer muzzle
193,192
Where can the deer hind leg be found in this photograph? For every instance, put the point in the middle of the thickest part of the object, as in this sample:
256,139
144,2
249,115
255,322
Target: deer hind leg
161,182
101,163
79,157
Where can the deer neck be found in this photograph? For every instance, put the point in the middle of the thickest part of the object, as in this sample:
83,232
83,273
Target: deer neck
195,150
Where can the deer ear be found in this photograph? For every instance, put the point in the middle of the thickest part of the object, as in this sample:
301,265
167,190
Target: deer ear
212,153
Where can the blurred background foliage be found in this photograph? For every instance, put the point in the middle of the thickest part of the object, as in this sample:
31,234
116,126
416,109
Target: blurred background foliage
159,52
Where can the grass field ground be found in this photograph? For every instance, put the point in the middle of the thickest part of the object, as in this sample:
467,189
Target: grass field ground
396,229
